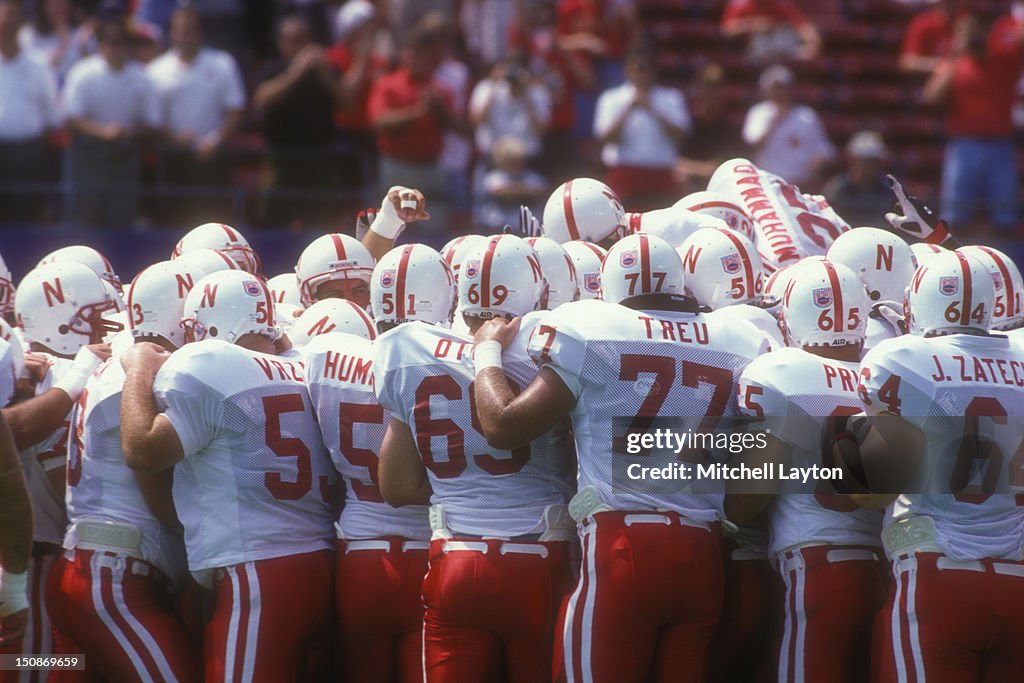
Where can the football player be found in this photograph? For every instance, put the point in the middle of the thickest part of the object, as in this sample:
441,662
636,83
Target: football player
885,263
942,452
334,266
559,271
722,270
110,594
253,484
649,613
826,549
499,554
717,205
584,209
586,258
224,239
1008,310
327,316
382,550
60,308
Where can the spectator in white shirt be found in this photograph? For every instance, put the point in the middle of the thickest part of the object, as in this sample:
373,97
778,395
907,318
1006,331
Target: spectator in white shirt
201,99
110,105
786,138
53,38
510,104
28,111
640,126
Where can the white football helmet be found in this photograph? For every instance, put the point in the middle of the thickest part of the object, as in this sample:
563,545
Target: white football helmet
331,257
924,252
640,264
228,305
12,337
88,256
721,267
6,288
584,209
559,271
586,258
1007,313
883,261
61,306
672,225
412,282
501,277
156,301
222,238
950,294
331,315
203,262
826,305
284,288
454,252
720,206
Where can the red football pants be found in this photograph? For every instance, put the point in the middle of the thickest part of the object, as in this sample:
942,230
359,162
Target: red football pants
647,601
746,639
379,609
490,609
269,615
832,594
949,621
118,612
38,638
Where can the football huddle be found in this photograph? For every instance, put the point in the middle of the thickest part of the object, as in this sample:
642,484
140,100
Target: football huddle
403,464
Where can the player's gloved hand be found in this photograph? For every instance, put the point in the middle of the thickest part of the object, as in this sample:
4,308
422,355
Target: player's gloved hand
911,217
364,219
85,363
892,313
13,606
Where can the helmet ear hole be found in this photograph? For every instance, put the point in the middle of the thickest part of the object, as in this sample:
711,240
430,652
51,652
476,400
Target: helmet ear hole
875,295
213,330
63,329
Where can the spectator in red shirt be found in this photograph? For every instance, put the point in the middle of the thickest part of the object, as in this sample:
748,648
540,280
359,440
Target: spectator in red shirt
776,29
929,37
977,85
410,115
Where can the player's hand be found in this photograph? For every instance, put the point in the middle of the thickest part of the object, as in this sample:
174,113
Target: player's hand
101,351
144,356
36,367
364,219
892,313
499,330
911,217
409,203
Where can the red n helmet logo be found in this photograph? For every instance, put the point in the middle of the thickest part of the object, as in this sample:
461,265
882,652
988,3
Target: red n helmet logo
535,267
915,283
185,285
883,255
320,327
209,296
690,260
53,291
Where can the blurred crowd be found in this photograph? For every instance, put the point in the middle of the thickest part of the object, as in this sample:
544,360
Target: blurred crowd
294,114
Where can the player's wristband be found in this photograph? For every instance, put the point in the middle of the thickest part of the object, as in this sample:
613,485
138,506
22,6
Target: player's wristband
387,222
13,592
487,355
73,381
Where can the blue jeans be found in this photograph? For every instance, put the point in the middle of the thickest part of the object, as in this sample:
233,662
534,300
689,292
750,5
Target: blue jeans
980,174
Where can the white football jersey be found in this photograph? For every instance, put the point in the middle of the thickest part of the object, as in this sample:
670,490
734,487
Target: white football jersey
877,331
788,225
424,376
100,485
1016,336
49,519
758,317
933,383
792,392
339,375
626,367
256,481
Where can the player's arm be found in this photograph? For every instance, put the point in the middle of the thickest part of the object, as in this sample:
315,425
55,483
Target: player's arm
887,452
37,418
401,205
156,491
401,475
509,421
15,539
148,439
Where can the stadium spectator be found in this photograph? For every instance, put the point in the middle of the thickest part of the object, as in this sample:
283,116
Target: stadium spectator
639,126
929,36
53,38
295,100
509,185
484,25
775,29
510,103
786,138
110,106
410,114
202,99
977,85
860,194
714,136
28,111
